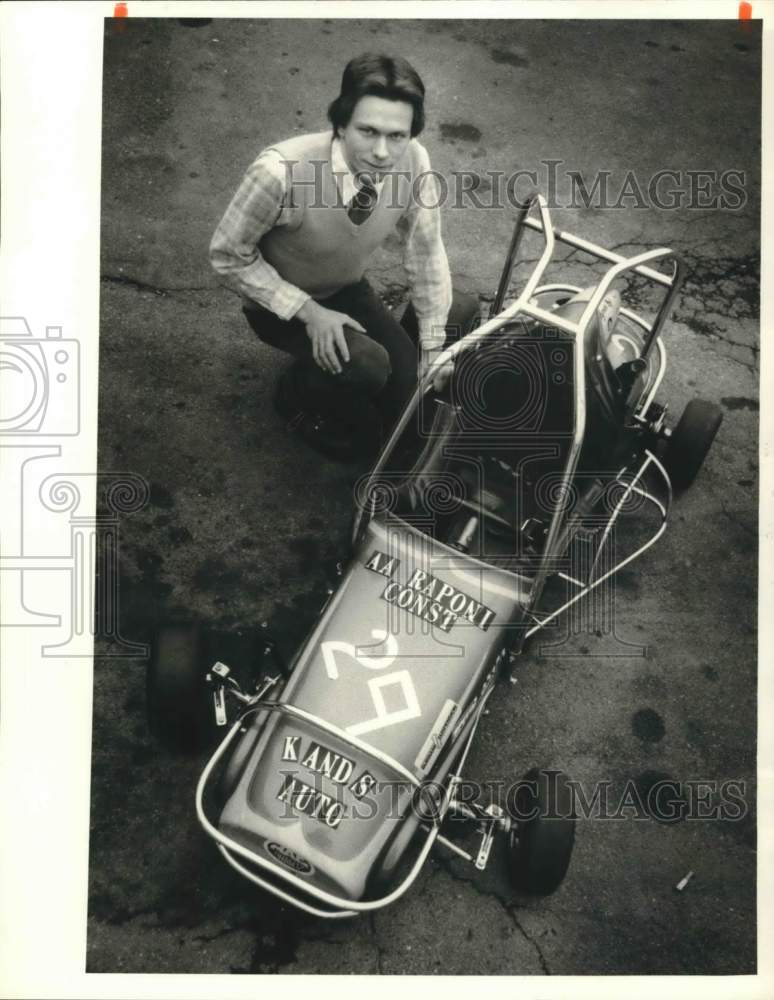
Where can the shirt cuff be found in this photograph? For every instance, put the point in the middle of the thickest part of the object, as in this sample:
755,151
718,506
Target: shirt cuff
432,333
287,300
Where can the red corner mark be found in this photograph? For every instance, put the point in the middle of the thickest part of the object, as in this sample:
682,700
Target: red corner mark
121,10
745,11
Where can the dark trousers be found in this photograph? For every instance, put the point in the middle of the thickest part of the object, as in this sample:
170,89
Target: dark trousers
382,363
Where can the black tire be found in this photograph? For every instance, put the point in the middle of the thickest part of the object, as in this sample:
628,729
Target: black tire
540,845
236,762
690,441
179,702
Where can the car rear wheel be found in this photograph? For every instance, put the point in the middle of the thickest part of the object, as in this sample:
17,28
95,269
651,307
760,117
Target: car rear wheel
179,702
541,839
690,441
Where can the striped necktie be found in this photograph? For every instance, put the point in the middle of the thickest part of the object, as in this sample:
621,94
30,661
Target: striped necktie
363,203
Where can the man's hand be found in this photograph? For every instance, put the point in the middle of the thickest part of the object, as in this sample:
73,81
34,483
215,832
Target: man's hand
442,375
325,328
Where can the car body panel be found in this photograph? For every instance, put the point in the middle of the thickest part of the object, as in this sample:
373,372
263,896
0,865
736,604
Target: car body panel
378,669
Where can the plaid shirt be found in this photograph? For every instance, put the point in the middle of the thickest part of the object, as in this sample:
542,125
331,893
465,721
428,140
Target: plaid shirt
260,204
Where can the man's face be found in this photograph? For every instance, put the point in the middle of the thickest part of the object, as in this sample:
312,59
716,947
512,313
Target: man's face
377,134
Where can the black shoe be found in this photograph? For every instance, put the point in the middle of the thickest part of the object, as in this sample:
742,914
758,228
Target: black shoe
335,438
328,436
343,438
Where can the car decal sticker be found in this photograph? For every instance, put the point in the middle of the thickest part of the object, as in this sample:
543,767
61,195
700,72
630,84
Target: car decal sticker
309,801
335,766
362,785
384,717
436,737
485,581
400,679
380,562
288,858
332,646
320,760
486,687
439,603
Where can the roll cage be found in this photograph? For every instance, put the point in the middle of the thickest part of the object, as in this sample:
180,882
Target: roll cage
627,480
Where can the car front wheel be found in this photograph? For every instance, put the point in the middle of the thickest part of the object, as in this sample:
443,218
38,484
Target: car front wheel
690,441
542,836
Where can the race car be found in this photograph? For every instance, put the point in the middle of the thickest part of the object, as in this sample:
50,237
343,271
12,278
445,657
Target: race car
523,449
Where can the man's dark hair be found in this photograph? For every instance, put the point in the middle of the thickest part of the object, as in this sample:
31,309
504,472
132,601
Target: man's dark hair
390,77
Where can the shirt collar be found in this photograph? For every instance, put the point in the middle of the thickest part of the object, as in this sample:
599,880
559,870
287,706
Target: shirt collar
344,176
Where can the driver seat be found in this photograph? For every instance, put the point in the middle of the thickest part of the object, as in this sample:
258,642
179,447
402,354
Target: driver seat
602,322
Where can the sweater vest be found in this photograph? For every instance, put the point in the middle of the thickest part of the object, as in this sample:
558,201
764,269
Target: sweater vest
321,250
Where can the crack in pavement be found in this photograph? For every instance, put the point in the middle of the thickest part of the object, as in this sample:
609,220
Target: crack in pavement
722,286
511,911
749,365
446,865
702,327
144,286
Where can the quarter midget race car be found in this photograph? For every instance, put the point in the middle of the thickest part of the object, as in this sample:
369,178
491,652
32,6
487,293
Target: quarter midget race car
339,773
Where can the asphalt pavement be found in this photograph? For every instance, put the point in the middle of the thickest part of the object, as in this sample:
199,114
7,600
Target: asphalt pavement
244,523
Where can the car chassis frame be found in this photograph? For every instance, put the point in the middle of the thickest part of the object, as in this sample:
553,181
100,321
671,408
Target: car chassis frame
291,888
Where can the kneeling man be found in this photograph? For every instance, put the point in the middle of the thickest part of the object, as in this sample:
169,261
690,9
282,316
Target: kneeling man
295,242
